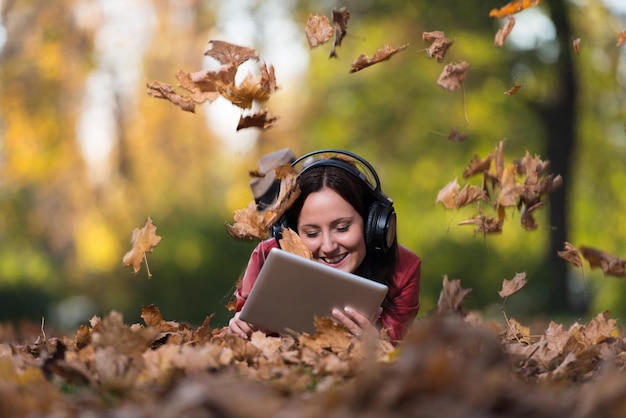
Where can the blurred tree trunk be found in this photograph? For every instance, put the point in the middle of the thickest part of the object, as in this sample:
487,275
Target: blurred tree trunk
559,116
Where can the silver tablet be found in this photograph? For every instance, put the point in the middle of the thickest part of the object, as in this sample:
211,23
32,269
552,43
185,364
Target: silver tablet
291,291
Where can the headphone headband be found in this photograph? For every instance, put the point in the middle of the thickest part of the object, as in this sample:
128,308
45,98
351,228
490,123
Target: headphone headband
376,187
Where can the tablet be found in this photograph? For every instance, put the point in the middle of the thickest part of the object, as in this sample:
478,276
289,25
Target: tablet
291,291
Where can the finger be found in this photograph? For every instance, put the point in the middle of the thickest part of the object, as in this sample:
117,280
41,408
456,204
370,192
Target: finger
346,321
357,317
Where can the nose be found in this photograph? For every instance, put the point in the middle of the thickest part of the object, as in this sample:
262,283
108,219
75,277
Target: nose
328,243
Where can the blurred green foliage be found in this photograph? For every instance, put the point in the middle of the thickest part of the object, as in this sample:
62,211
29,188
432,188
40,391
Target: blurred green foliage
63,234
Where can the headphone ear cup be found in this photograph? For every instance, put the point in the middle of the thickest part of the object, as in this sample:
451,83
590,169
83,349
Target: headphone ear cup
380,229
277,229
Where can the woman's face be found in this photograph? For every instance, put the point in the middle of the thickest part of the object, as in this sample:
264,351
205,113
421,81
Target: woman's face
333,230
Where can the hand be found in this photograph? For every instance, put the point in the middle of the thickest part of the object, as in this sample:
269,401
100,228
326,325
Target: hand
240,327
355,321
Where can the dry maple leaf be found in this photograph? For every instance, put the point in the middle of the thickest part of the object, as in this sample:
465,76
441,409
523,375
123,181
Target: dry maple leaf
451,297
261,120
511,286
143,240
504,32
484,224
318,30
510,190
447,195
227,53
291,242
160,90
340,19
383,54
477,166
439,44
610,264
204,84
456,136
453,75
250,89
513,90
249,224
513,7
621,38
571,255
468,194
517,332
527,218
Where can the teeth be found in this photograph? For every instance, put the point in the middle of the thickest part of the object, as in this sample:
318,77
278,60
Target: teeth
334,259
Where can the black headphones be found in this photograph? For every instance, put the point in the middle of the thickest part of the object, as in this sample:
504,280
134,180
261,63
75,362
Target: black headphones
380,225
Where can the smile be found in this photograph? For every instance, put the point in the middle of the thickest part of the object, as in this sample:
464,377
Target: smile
334,260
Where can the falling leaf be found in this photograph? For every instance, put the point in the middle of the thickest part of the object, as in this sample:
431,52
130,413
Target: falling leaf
439,44
610,264
513,7
510,190
451,297
576,45
621,38
291,242
447,195
249,224
453,75
457,136
261,120
318,30
477,166
527,218
203,85
143,240
252,88
511,286
571,255
160,90
513,90
484,224
227,53
504,32
383,54
340,19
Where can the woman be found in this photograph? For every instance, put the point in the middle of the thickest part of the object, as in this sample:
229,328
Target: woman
347,223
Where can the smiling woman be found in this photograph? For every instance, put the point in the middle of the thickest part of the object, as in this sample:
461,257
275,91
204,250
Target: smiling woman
347,222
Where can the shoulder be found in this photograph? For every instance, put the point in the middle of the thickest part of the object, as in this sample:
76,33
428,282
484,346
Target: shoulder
265,247
407,257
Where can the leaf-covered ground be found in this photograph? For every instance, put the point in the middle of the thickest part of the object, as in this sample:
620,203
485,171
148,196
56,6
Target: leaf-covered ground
449,365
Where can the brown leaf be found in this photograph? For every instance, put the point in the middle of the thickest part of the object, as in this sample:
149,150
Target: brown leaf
513,7
383,54
571,255
227,53
160,90
250,89
261,120
340,19
204,84
510,190
511,286
439,44
291,242
318,30
610,264
621,38
513,90
144,240
477,166
447,195
504,32
576,45
451,297
457,136
468,194
484,224
453,75
527,218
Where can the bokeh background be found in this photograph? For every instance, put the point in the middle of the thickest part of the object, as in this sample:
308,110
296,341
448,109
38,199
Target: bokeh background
86,155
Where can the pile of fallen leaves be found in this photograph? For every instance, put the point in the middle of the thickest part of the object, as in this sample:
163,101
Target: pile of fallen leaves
451,364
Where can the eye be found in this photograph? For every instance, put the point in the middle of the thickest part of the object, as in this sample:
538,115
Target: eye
311,234
343,228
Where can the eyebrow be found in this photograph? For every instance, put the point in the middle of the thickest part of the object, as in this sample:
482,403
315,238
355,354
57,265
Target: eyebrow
348,219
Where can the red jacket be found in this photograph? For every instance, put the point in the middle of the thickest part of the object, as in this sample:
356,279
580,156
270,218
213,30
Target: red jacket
404,289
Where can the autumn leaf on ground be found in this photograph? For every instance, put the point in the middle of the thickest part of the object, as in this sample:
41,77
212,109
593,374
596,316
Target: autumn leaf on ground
513,7
439,44
513,90
340,19
383,54
318,30
291,242
453,75
143,240
610,264
511,286
261,120
227,53
160,90
504,32
621,38
571,255
517,332
451,297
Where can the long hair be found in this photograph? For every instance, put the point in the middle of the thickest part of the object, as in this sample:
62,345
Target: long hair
377,265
